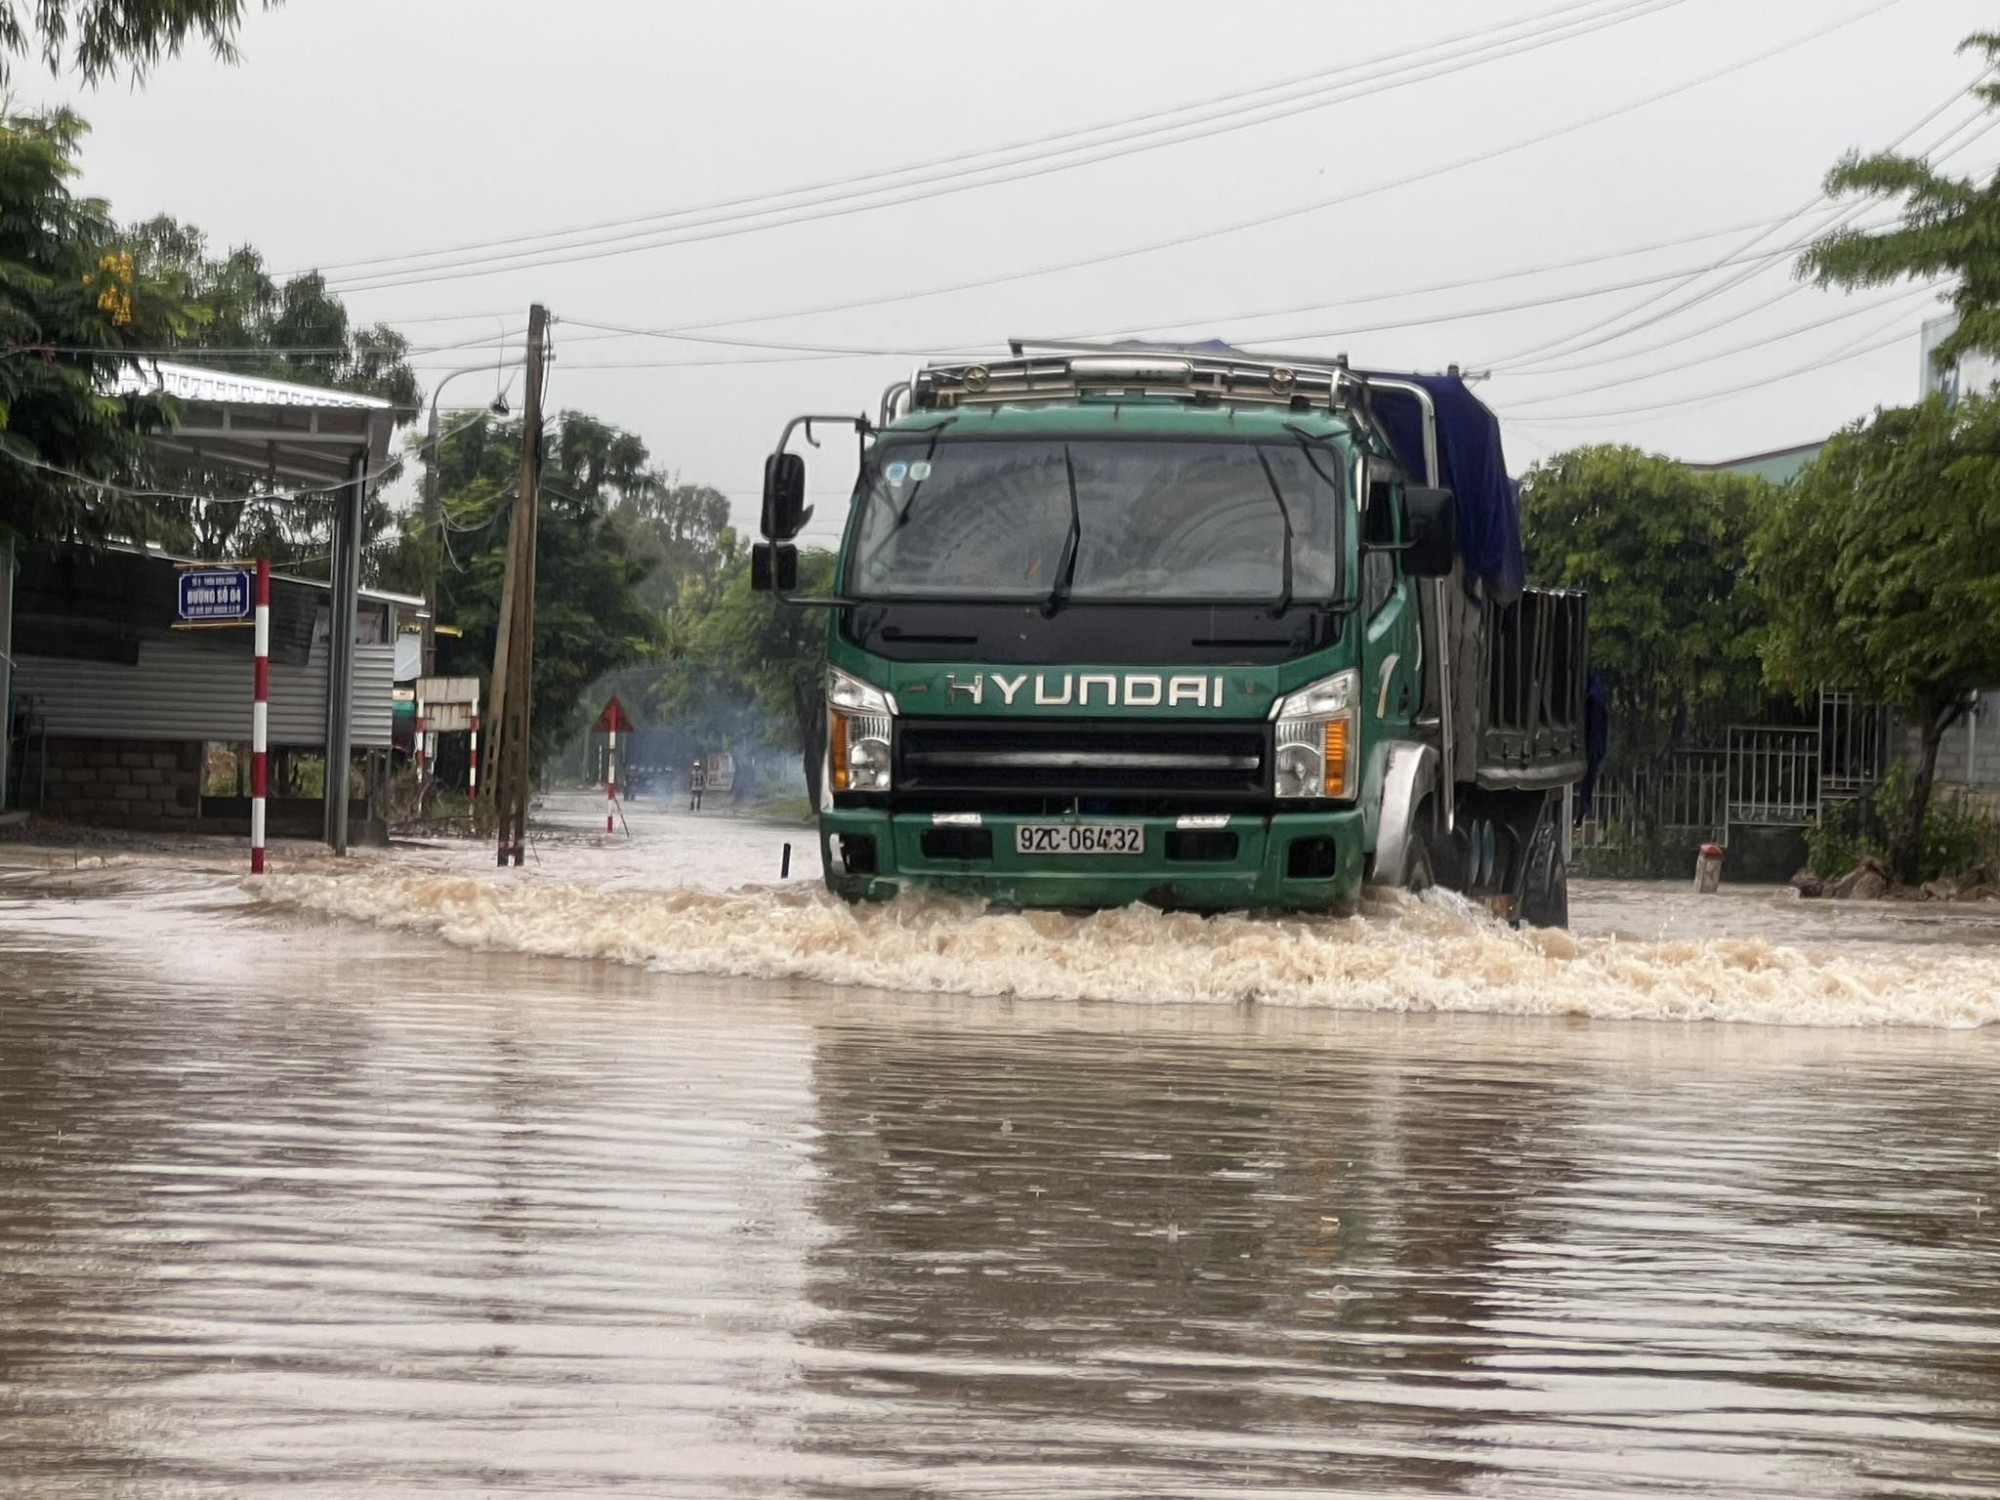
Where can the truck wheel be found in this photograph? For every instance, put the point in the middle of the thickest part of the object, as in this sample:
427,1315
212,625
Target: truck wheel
1545,891
1419,871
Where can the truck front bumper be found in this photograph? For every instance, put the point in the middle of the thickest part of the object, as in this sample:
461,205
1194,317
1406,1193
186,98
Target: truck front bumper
1293,861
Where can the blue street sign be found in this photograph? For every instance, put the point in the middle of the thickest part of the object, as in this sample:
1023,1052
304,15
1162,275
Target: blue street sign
215,594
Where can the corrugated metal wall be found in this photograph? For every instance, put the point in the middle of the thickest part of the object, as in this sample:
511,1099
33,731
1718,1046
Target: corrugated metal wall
180,691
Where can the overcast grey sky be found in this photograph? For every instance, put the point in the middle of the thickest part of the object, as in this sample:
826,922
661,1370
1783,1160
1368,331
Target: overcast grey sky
355,130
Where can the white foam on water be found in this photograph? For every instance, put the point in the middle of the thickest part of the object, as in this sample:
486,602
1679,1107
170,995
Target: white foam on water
1402,954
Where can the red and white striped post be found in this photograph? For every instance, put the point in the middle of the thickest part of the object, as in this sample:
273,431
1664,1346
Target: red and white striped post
420,742
472,753
260,708
611,783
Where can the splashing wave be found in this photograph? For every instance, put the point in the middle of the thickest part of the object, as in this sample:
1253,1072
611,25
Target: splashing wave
1401,954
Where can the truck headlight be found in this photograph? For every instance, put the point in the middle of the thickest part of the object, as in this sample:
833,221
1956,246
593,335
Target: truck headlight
858,720
1316,738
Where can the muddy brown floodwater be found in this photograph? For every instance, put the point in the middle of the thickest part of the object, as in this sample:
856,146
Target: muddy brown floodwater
412,1178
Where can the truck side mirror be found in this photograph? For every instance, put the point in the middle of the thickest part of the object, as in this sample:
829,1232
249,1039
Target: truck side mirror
1430,531
774,568
784,496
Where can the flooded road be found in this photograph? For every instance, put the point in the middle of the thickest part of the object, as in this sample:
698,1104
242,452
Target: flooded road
297,1204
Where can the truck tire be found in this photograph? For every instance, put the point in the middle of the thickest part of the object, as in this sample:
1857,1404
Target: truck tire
1419,869
1545,882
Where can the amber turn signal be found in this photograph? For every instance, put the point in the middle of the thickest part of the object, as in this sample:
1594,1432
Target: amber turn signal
836,750
1336,757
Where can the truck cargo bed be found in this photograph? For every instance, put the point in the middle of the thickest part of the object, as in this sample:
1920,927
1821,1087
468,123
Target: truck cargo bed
1532,719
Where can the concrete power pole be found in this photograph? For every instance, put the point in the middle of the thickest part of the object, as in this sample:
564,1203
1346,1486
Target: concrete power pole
514,642
433,549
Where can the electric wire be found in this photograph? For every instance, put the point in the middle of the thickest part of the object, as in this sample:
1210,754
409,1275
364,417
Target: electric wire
1303,93
196,353
264,497
1606,330
613,330
1717,393
1763,341
806,353
1218,231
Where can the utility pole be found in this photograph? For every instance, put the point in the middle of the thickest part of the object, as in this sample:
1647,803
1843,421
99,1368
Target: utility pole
433,548
514,643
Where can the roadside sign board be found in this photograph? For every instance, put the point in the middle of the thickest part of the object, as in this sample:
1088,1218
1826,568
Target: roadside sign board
613,720
211,596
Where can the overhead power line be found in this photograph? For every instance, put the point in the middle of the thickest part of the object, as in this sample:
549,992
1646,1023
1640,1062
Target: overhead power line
1352,195
797,353
263,497
1761,342
1608,329
612,330
1036,156
1809,367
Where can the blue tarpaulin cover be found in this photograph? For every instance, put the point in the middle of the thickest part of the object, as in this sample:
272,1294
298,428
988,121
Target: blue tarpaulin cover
1470,465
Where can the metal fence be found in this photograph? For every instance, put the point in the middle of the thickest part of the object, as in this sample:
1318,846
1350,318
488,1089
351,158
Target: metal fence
1854,741
1763,776
1773,777
1688,796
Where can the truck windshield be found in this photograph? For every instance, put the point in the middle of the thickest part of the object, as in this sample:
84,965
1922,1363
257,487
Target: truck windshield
1100,520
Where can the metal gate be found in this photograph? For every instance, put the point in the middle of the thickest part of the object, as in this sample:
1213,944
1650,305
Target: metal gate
1854,738
1773,778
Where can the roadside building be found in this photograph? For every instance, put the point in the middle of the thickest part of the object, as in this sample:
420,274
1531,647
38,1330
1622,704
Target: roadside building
120,718
95,682
1778,465
1969,759
1970,375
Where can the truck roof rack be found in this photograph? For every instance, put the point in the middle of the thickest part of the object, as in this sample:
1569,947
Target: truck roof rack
1037,370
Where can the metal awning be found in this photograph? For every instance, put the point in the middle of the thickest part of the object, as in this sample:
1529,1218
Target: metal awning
283,433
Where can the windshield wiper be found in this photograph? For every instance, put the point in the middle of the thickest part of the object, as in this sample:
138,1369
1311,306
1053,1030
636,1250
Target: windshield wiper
1066,564
1285,512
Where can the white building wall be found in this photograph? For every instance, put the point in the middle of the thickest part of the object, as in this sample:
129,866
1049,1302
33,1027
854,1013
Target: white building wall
179,691
1970,754
1973,375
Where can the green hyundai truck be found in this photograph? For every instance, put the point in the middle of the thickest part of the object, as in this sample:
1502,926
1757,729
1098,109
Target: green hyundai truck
1186,626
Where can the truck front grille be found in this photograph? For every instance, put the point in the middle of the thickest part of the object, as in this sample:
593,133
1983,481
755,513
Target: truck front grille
1125,760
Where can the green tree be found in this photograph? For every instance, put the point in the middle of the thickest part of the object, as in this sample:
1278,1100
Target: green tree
1883,570
99,37
291,330
70,303
743,670
247,323
589,617
1662,550
1949,226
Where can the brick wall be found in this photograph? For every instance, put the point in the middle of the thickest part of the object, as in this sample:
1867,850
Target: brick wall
123,783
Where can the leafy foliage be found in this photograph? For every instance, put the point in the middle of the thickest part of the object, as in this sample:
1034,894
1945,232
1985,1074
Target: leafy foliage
748,669
69,303
1950,226
1952,839
294,330
1882,565
615,536
98,37
1663,551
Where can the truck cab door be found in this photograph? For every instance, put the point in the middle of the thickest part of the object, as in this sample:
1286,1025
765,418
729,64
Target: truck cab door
1391,687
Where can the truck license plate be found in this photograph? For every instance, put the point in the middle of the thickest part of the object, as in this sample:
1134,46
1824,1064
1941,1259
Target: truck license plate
1080,838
